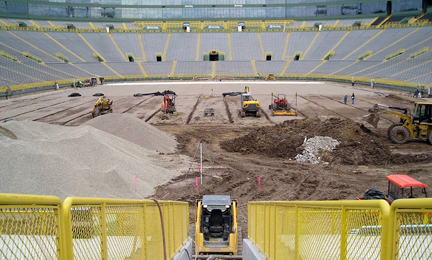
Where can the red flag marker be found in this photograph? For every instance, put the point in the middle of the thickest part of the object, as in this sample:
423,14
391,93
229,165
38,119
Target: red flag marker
259,181
196,181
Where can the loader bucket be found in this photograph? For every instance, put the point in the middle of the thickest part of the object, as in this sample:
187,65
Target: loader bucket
372,118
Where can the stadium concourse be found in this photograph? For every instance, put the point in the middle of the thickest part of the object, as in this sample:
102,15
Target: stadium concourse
136,141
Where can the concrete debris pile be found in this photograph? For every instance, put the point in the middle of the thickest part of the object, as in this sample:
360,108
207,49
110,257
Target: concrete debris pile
81,161
315,149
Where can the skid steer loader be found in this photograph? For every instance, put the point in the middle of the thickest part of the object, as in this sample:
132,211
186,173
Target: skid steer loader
216,230
415,126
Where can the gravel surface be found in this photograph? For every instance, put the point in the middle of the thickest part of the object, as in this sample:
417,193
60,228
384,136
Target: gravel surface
79,161
136,131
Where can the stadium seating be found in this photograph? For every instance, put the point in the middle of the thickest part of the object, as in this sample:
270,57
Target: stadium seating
382,53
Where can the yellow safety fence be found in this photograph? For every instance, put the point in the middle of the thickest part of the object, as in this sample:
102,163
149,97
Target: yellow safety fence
42,227
342,229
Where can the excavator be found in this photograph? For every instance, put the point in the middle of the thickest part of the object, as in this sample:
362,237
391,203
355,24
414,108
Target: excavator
249,106
168,103
102,106
280,106
415,126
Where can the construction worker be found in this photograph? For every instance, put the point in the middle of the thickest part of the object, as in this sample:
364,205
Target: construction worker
352,98
345,99
352,81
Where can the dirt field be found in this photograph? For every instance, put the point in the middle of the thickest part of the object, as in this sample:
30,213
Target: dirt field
245,149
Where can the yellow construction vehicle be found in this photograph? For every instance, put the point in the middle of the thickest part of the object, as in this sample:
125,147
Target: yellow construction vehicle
216,230
270,77
102,106
280,106
416,126
249,106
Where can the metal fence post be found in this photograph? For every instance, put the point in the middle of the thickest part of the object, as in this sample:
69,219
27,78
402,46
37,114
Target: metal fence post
343,244
103,233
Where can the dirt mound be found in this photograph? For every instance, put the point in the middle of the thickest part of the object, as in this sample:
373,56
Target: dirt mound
357,145
135,131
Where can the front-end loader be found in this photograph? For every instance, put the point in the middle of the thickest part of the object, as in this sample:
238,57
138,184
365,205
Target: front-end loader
415,126
102,106
216,230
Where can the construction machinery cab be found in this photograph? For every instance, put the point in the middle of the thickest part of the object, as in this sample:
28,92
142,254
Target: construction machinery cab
422,112
398,183
270,77
168,104
216,225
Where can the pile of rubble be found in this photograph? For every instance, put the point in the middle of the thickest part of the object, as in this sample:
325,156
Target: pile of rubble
316,148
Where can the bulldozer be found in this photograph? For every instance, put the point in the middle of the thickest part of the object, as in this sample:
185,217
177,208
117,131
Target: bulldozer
412,126
216,230
280,106
102,106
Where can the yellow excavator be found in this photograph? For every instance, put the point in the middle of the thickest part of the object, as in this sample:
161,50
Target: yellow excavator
102,106
249,106
216,230
415,126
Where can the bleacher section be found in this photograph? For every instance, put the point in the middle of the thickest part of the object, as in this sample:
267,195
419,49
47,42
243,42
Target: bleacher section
153,43
299,41
325,41
213,41
182,47
74,43
245,46
128,43
182,53
274,42
194,68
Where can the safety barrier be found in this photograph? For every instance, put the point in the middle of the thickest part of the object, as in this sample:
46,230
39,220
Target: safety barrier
34,227
342,229
411,229
319,230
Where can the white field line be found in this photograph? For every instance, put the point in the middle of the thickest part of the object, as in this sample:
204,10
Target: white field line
218,83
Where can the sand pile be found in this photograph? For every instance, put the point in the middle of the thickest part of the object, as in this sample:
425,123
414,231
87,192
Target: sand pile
76,161
136,131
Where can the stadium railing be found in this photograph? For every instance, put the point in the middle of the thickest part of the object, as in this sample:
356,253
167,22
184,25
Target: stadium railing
33,226
342,229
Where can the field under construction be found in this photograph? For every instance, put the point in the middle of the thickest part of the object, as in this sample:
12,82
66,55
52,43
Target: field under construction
239,151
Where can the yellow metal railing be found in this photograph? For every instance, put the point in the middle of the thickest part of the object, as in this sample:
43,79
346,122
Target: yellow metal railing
29,227
411,229
320,229
89,228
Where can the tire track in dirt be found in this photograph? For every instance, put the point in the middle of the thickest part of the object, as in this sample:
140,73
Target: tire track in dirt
266,116
63,110
130,108
193,110
151,116
31,111
326,109
228,111
361,109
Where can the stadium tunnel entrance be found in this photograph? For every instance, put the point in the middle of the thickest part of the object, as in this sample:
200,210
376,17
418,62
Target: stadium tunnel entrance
213,55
